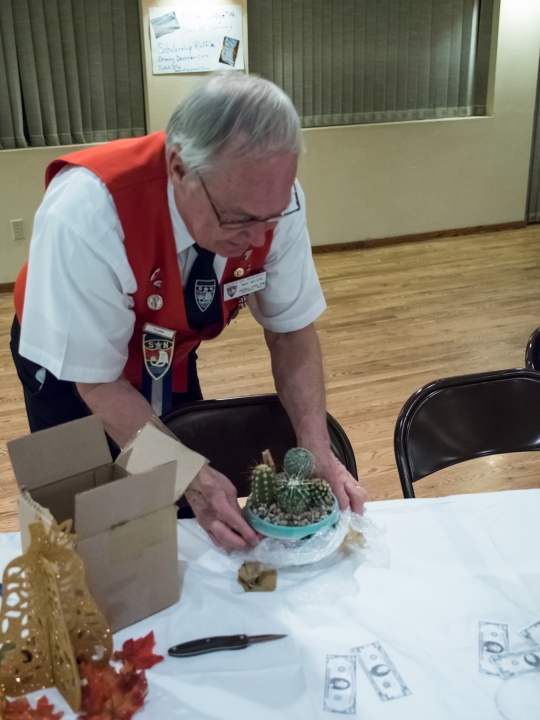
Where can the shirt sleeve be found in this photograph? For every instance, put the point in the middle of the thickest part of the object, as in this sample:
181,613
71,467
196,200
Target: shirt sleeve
77,319
292,298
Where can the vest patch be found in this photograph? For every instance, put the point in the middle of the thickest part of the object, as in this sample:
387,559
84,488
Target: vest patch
158,355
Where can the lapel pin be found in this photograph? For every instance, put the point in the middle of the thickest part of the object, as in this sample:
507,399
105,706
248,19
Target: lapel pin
155,302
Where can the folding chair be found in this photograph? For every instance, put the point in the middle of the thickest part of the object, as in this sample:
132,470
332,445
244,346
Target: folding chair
532,353
469,416
232,433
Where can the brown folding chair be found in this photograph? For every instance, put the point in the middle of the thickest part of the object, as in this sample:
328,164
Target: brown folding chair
469,416
232,433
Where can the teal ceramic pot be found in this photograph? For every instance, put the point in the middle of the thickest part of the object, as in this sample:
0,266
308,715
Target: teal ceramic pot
287,532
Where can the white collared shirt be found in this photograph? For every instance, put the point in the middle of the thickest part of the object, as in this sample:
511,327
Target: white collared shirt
78,317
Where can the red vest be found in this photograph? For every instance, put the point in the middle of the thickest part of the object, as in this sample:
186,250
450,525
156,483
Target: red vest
135,174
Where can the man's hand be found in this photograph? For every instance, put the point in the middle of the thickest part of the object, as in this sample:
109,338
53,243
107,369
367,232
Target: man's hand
347,490
213,500
298,373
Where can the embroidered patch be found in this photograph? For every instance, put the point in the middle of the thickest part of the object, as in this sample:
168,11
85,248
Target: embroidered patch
204,293
158,355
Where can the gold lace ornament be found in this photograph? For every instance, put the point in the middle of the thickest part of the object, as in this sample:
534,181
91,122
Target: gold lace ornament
49,621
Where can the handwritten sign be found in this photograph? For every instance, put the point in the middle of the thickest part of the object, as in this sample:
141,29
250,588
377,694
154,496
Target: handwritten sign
191,38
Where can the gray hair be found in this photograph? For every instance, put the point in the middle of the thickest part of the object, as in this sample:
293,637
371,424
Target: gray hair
231,111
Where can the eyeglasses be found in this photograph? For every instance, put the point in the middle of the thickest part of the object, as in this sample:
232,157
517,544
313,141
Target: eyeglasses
252,221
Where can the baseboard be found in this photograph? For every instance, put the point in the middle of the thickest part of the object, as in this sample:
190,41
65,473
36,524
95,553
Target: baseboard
379,242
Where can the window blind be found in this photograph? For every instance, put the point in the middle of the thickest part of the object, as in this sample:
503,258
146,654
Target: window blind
70,72
533,210
369,61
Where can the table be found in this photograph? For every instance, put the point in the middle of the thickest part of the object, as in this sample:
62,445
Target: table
453,561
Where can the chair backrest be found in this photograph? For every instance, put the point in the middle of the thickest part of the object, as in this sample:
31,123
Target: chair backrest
232,433
460,418
532,353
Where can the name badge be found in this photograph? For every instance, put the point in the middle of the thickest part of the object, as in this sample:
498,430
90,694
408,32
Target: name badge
244,286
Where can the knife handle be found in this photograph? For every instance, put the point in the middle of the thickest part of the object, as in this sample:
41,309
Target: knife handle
211,644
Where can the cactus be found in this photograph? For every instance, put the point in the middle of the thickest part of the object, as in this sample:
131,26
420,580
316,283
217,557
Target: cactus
292,491
281,479
319,492
293,496
263,485
299,462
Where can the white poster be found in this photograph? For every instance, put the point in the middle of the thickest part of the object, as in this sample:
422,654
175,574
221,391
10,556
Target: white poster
191,38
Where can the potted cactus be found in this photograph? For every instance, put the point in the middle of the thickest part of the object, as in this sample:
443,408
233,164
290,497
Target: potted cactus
291,504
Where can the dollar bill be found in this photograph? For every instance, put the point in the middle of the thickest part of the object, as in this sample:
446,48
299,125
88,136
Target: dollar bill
381,671
532,633
340,684
517,663
492,641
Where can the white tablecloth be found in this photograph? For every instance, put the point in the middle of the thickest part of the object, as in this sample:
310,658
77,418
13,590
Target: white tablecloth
453,561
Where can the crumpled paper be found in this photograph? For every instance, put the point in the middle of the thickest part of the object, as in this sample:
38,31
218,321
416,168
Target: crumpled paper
352,541
256,577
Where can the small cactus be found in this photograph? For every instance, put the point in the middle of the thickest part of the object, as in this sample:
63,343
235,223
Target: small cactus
299,462
263,485
281,479
290,493
319,492
294,495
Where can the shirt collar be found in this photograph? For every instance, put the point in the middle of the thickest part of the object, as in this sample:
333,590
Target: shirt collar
182,237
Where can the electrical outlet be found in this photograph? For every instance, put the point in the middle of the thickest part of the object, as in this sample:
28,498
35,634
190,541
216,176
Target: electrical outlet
17,229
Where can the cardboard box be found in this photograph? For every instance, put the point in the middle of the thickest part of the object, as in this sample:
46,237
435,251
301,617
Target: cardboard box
124,513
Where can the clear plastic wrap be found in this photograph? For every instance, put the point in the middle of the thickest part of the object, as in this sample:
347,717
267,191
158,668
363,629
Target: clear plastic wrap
327,543
315,571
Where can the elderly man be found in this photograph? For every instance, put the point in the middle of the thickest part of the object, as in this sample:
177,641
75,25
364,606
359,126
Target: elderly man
144,248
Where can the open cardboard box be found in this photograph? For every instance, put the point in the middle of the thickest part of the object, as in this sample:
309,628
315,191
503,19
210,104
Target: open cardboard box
124,512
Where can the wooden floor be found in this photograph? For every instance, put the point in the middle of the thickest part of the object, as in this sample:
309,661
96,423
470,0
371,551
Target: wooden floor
398,317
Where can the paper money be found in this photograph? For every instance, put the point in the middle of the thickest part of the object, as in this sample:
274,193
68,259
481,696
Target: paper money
381,671
340,684
532,633
517,663
492,641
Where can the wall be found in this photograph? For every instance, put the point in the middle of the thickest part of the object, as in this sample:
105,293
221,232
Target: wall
376,181
164,92
22,185
368,181
22,171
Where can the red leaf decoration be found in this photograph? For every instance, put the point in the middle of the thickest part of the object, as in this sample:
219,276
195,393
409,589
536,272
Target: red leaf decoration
138,653
107,694
111,695
21,710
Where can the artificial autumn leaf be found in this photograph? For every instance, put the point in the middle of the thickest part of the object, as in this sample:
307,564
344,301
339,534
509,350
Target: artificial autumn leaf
111,695
138,653
21,710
